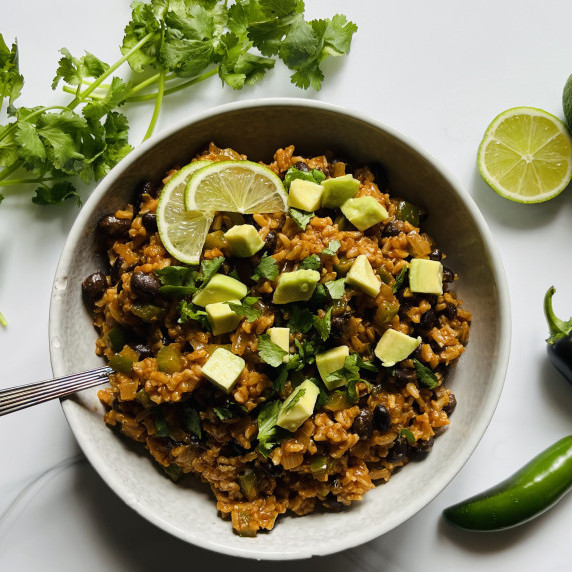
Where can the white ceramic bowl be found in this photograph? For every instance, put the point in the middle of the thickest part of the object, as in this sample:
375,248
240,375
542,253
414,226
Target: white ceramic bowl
257,128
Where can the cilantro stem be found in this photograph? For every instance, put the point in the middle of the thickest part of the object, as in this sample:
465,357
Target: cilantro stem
3,321
149,81
158,102
84,94
173,89
12,182
13,125
9,170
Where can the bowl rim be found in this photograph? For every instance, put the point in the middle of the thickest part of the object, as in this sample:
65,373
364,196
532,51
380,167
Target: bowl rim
487,407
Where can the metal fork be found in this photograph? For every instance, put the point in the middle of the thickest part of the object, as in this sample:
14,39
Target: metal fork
23,396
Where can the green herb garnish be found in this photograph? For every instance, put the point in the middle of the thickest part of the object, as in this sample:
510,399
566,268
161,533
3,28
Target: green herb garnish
269,434
336,288
245,309
299,394
425,376
177,281
190,311
323,325
300,319
399,279
314,176
301,218
191,421
209,268
270,352
332,247
223,413
267,268
311,262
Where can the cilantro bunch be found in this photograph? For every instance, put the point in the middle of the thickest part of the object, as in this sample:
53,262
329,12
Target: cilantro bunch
169,45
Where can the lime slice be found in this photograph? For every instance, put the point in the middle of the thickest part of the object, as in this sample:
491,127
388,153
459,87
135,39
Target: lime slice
183,232
236,186
526,155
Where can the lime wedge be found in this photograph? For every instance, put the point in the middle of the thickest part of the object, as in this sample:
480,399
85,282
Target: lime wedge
182,232
526,155
236,186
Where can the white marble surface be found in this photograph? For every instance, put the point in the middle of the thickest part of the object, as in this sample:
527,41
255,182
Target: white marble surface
437,71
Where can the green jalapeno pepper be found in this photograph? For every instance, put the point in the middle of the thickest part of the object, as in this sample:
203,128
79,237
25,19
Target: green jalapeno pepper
526,494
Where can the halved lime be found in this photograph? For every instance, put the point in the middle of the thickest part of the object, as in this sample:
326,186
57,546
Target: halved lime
236,186
183,232
526,155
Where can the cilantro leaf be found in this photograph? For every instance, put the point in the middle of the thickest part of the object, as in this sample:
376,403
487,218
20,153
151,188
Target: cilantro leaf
399,279
425,376
280,380
191,421
319,296
300,319
314,176
367,365
189,311
323,325
209,268
332,247
223,413
270,352
307,351
246,310
56,194
336,288
269,434
298,395
178,281
301,218
311,262
74,70
267,268
11,81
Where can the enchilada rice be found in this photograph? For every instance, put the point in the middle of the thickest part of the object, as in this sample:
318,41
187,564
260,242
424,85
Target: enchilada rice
267,443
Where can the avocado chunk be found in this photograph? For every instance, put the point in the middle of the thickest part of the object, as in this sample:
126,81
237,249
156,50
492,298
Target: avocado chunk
305,195
395,346
281,337
338,190
243,240
295,286
364,212
221,318
331,361
361,274
298,406
223,369
426,276
220,288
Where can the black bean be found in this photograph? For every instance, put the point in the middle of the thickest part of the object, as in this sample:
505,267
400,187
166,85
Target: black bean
116,270
270,241
143,350
450,407
450,311
302,167
381,419
149,221
417,352
144,285
448,275
332,503
403,376
428,320
114,227
398,450
424,445
435,254
339,324
271,470
363,424
94,286
391,229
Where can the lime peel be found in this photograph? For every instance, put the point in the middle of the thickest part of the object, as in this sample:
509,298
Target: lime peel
526,155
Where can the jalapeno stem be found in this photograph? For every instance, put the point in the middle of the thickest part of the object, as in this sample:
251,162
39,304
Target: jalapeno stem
558,328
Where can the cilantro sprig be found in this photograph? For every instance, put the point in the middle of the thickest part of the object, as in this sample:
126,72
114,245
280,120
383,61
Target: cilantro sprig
169,45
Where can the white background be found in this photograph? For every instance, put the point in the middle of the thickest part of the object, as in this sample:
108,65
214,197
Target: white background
437,71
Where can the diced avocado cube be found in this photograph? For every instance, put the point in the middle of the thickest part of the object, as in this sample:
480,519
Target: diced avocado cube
221,318
298,406
331,361
295,286
223,369
281,337
338,190
395,346
364,212
305,195
243,240
426,276
361,274
220,288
